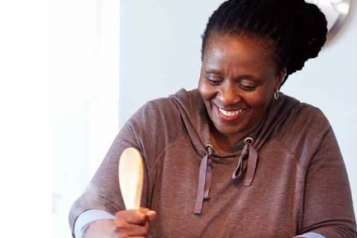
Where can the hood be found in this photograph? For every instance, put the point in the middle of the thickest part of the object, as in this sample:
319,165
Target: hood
197,124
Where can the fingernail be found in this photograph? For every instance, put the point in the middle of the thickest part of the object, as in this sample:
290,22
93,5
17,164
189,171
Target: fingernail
150,212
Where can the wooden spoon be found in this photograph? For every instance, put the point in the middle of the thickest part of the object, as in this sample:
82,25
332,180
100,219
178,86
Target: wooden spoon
131,173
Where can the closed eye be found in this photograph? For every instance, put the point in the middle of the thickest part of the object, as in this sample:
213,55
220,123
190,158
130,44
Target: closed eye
248,87
214,79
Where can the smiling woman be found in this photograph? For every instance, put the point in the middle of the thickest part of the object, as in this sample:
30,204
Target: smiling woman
238,80
234,157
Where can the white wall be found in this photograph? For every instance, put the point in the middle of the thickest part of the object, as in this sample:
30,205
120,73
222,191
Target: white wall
59,70
160,53
160,48
25,170
84,65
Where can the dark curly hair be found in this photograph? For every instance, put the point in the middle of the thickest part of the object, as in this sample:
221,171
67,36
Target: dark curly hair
296,29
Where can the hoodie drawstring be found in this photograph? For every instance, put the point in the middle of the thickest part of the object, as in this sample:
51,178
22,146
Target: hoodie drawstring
250,153
205,173
204,180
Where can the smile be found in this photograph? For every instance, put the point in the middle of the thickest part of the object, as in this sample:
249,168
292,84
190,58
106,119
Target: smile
229,115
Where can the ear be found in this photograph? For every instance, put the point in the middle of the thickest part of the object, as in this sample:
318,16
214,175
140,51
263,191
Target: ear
280,78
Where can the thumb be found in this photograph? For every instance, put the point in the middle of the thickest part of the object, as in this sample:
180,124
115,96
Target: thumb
150,215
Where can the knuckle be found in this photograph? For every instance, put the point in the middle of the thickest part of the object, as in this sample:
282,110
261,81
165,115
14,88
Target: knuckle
121,225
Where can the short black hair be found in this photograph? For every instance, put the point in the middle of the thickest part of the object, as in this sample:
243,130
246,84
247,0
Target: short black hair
296,29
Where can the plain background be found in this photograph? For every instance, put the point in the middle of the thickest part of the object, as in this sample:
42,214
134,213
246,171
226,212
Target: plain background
59,90
160,53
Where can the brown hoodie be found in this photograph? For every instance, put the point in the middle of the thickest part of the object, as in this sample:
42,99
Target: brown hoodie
291,178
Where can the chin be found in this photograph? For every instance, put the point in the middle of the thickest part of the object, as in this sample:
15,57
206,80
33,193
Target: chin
227,131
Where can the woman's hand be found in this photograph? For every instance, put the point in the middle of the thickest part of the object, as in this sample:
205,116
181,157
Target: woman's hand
127,223
133,223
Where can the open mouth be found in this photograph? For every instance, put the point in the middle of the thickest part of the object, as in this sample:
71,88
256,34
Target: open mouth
229,115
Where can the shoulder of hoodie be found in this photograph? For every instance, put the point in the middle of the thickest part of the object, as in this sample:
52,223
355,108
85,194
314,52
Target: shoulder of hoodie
164,108
309,116
303,131
159,117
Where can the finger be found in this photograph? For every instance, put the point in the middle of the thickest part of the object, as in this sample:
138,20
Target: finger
125,229
131,216
144,209
150,215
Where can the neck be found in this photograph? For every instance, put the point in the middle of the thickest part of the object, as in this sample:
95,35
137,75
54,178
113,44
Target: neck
224,144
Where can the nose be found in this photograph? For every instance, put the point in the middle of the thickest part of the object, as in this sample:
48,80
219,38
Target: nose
228,95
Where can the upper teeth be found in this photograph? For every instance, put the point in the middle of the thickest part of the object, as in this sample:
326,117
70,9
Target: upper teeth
230,113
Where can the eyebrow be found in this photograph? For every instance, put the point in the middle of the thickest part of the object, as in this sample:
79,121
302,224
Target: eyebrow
246,76
212,71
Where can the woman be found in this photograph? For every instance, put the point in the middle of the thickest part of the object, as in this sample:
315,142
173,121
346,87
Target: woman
234,158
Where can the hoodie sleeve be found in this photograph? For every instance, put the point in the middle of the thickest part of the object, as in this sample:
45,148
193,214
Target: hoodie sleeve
148,131
328,208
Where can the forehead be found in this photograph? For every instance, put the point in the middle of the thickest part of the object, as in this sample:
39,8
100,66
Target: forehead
238,50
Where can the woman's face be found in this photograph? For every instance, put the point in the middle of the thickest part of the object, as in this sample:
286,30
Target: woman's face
237,82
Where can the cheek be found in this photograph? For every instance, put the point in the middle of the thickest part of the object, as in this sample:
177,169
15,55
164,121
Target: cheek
258,100
205,89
